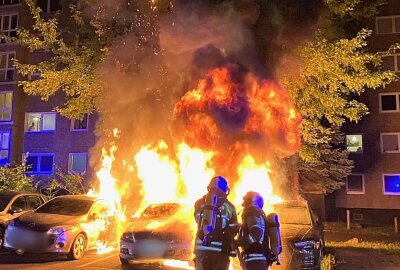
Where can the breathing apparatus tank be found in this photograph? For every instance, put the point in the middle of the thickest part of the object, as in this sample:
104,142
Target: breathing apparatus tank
217,189
274,234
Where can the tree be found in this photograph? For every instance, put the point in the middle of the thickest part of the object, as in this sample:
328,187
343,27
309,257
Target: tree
15,179
72,183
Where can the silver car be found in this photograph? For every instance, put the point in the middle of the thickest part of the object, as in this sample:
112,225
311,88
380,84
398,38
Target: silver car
154,237
13,204
64,225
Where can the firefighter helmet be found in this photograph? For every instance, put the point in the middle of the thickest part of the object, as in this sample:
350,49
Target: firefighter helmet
220,183
253,198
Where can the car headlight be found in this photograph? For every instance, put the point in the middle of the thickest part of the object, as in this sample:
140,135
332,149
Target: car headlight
11,223
59,229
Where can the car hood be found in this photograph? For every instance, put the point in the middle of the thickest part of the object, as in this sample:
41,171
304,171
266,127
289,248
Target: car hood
296,233
44,221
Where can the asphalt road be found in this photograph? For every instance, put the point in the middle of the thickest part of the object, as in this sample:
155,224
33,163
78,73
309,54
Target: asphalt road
91,261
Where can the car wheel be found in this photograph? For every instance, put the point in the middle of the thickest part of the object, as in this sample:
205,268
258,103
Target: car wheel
124,261
78,248
1,237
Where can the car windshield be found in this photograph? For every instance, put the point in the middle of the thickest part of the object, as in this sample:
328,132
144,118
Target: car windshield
160,211
4,200
65,206
297,215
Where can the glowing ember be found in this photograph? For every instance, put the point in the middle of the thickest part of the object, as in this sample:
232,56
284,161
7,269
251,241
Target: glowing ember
178,264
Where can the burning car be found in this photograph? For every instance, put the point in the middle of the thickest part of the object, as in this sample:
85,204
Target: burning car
13,204
65,225
155,237
302,236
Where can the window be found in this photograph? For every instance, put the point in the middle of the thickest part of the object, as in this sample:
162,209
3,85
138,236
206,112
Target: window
9,25
34,202
4,147
77,163
49,5
80,125
391,184
389,102
354,143
390,142
5,106
40,163
8,2
355,184
7,69
20,202
387,25
36,122
391,62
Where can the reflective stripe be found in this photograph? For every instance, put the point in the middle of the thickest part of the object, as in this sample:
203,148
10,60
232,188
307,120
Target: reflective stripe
255,259
255,255
208,248
212,243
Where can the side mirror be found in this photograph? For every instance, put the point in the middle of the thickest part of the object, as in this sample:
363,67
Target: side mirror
15,210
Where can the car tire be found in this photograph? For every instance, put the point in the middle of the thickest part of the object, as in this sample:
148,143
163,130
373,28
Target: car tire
124,261
78,247
1,237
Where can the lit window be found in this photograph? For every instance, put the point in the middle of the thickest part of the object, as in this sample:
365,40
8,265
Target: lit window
36,122
388,25
7,69
391,62
5,106
389,102
49,5
40,163
9,2
4,147
9,25
354,143
77,163
390,142
80,124
355,184
391,184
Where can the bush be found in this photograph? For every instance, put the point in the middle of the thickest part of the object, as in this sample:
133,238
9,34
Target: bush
13,178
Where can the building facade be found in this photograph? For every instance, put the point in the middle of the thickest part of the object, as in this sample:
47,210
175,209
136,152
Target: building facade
372,191
30,129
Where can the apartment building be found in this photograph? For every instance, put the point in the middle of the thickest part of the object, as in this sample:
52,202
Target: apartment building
372,191
29,127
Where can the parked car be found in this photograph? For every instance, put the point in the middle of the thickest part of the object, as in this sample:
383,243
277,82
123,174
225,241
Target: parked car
63,225
155,236
13,204
302,236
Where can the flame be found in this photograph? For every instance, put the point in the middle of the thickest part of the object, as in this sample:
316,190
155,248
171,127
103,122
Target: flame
225,125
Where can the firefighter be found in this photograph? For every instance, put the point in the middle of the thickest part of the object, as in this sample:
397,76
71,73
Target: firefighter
217,226
259,234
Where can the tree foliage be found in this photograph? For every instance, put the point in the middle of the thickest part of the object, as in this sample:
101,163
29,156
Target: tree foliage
13,178
61,181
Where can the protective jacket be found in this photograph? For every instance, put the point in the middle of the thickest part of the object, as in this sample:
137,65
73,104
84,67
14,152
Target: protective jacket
253,235
225,230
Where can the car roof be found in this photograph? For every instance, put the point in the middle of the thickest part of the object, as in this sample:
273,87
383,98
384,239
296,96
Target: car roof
292,203
78,197
14,193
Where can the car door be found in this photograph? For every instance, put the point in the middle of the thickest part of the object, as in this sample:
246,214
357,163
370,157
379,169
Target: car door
19,202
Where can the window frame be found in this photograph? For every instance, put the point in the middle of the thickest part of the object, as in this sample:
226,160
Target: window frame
397,94
362,143
7,68
8,31
395,62
26,155
9,143
398,142
8,5
393,19
383,184
49,6
355,192
80,130
70,159
3,108
41,122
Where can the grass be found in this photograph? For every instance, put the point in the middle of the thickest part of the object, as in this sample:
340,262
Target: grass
373,231
328,262
390,248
